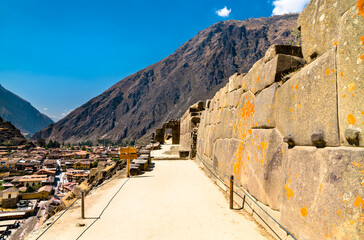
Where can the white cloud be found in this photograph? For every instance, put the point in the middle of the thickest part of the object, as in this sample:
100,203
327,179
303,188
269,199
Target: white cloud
224,12
288,6
45,109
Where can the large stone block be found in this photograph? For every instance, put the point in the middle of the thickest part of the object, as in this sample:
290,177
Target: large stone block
324,193
282,49
264,103
262,74
234,82
259,165
319,23
224,158
244,119
350,80
234,97
306,105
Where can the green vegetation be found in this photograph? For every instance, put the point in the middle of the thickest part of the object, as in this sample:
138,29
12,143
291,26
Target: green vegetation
53,144
95,164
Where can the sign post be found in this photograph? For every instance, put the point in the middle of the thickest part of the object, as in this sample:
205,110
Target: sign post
128,153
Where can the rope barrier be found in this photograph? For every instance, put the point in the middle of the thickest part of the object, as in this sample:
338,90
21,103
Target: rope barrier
103,210
105,182
57,218
246,194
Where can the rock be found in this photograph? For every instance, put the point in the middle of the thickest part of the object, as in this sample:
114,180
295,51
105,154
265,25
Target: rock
350,71
264,103
259,165
319,23
289,140
352,135
322,193
303,103
318,139
282,49
244,120
263,74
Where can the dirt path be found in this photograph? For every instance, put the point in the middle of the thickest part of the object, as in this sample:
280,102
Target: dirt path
174,201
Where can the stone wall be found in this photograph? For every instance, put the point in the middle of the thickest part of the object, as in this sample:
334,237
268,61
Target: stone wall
290,130
189,125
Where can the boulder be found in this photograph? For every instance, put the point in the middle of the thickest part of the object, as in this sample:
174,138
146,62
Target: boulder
323,193
306,104
350,71
319,24
264,105
282,49
259,166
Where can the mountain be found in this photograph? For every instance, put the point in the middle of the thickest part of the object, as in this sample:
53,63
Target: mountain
21,113
10,135
138,104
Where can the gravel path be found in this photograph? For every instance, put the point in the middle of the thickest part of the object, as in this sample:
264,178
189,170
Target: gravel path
175,200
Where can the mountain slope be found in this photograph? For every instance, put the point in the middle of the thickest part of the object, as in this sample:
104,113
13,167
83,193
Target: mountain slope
10,135
141,102
21,113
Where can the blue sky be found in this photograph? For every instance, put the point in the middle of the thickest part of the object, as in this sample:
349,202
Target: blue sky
59,54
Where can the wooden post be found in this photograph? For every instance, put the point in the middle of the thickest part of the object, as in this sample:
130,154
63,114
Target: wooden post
128,167
83,205
231,192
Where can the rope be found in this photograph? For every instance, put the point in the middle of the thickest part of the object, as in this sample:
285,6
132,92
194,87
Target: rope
57,218
107,205
246,194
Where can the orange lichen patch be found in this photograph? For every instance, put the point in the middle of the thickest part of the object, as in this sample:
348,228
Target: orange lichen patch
320,189
299,105
271,108
292,87
289,192
292,117
358,201
360,7
341,74
250,131
362,40
362,57
342,51
294,98
338,212
333,70
244,85
335,43
332,80
268,120
258,78
358,165
362,113
291,109
328,71
296,87
344,96
351,119
351,86
304,211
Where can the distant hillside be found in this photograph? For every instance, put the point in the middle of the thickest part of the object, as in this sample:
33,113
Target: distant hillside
21,113
136,105
10,135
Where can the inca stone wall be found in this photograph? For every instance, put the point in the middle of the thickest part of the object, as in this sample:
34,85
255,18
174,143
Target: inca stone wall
291,130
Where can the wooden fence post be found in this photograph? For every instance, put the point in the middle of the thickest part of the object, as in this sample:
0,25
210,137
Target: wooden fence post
83,205
231,192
